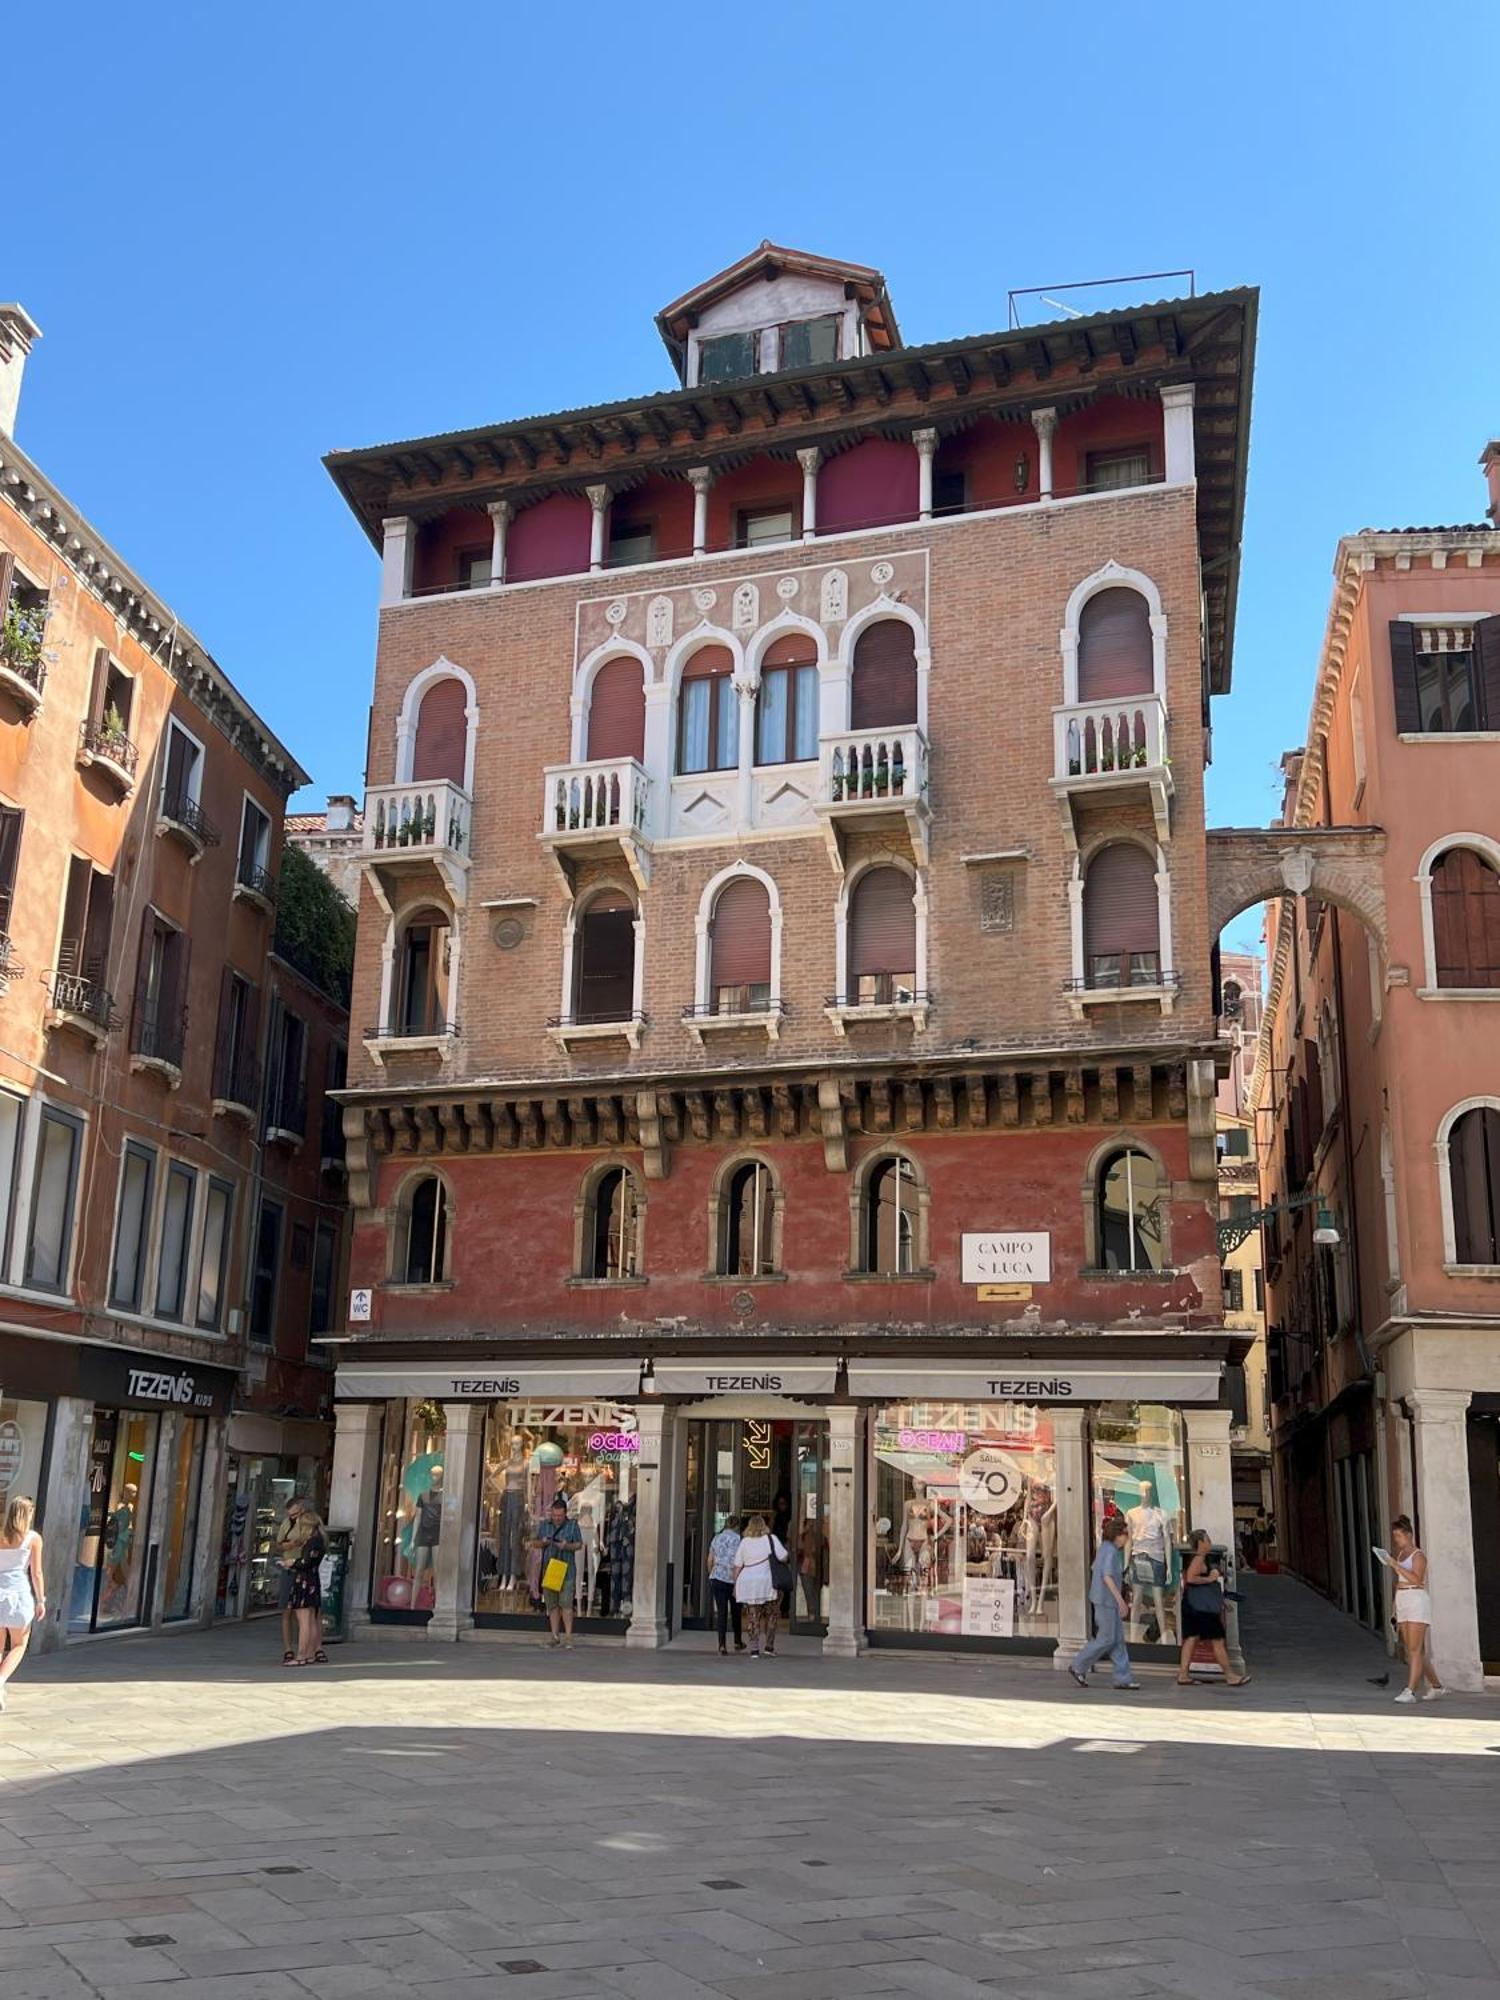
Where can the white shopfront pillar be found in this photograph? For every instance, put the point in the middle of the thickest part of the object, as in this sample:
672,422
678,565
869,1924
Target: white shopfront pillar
352,1499
846,1519
598,497
700,478
1177,415
926,444
1074,1555
453,1580
59,1504
1211,1497
1445,1531
809,460
1044,423
397,550
500,512
648,1624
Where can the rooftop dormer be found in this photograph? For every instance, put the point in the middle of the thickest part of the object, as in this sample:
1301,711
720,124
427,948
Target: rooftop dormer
776,310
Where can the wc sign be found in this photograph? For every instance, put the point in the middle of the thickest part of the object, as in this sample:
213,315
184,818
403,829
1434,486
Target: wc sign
1005,1259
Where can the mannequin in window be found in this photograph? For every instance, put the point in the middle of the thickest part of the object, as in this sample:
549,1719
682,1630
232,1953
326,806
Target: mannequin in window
1149,1561
426,1526
621,1546
513,1515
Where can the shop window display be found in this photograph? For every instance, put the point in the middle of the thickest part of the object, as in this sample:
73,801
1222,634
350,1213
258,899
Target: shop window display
182,1519
411,1507
109,1566
1138,1471
23,1439
533,1452
965,1521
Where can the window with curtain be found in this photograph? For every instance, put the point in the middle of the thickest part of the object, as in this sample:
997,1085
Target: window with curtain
745,1245
604,959
786,709
882,939
1131,1213
1474,1178
1465,919
1121,944
740,948
612,1240
890,1218
708,713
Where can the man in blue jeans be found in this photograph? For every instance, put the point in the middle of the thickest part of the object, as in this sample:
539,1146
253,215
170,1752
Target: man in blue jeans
1108,1601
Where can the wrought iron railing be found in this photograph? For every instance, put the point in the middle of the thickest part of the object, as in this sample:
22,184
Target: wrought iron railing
90,1000
259,881
189,815
112,744
161,1034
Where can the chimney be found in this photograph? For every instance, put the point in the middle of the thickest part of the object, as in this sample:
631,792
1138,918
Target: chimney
1489,461
340,815
17,331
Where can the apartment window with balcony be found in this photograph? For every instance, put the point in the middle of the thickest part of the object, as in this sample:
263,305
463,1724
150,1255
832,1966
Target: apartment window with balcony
1131,1219
883,681
111,700
182,785
11,822
24,606
235,1062
1465,919
54,1194
324,1259
213,1253
604,959
253,871
1105,471
805,343
740,948
1446,678
132,1226
265,1275
176,1234
161,991
1115,655
727,357
617,712
1121,942
422,976
708,713
760,527
786,709
83,948
882,939
286,1108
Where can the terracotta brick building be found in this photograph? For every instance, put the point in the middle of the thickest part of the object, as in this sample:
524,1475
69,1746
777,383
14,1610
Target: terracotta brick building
785,1044
1378,1091
154,1371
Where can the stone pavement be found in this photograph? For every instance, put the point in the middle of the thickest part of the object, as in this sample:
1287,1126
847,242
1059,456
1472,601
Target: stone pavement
180,1813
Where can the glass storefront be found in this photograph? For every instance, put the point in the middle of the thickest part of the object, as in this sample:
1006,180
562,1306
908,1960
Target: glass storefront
963,1521
409,1525
1137,1469
182,1517
110,1566
23,1444
533,1452
774,1466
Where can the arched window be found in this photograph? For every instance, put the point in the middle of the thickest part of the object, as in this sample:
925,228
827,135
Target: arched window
604,959
423,1258
890,1218
617,712
883,682
1474,1178
1114,646
882,938
1234,1000
421,994
708,712
442,739
1131,1213
612,1233
1121,944
739,948
1465,919
746,1247
786,709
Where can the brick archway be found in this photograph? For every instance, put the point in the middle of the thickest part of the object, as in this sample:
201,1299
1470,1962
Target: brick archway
1338,864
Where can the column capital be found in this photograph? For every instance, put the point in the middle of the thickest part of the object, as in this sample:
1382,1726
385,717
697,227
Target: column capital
1438,1406
1178,395
396,524
700,477
1067,1422
463,1419
809,458
1204,1425
501,510
926,441
1044,422
598,497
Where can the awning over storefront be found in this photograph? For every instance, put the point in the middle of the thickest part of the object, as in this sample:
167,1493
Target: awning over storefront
574,1382
1033,1381
803,1377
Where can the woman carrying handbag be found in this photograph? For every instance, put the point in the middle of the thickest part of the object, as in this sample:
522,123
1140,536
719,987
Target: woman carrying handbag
761,1574
1202,1611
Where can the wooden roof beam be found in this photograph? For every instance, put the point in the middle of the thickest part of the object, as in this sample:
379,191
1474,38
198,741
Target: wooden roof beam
660,429
1040,359
766,403
1125,342
918,380
727,410
559,443
524,450
998,362
959,374
693,417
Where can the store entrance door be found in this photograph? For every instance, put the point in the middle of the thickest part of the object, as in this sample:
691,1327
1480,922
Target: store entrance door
773,1466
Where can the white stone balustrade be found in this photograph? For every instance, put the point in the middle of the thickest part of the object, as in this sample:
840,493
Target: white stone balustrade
860,768
609,797
422,821
1108,739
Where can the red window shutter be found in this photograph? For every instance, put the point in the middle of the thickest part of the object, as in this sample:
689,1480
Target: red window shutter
617,711
1114,646
740,934
1487,661
1404,678
883,686
706,661
1465,919
1119,901
442,734
792,649
1474,1176
882,924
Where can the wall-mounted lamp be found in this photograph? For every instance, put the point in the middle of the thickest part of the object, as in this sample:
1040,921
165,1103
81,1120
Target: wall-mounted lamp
1023,472
1326,1234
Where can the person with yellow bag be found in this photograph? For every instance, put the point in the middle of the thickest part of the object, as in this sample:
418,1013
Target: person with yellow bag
559,1541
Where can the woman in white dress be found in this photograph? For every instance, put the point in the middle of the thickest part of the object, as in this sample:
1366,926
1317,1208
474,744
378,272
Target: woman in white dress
755,1586
1413,1612
23,1593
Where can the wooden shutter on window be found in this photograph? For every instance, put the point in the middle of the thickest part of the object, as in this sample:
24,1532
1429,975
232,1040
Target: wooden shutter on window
100,687
708,660
792,649
1119,901
75,916
1404,678
143,971
1314,1066
10,851
1487,670
7,581
617,711
883,686
442,734
1465,919
882,924
1114,646
1474,1177
740,934
97,926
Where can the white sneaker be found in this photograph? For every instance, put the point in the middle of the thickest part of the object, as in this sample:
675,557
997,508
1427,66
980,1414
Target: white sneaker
1434,1694
1406,1695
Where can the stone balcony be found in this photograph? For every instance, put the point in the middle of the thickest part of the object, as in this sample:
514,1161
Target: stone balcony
414,827
874,780
591,811
1111,747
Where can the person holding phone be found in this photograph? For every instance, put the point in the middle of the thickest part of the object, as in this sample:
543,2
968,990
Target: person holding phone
1413,1610
559,1541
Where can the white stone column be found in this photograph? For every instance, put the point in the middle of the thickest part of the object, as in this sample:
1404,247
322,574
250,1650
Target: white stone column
209,1536
59,1505
648,1622
745,692
658,757
398,548
1044,423
599,501
1074,1554
926,444
809,460
501,513
1211,1498
846,1531
700,478
1445,1530
1177,414
453,1582
353,1496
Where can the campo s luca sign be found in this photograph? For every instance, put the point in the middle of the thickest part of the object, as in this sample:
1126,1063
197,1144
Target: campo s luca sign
1003,1258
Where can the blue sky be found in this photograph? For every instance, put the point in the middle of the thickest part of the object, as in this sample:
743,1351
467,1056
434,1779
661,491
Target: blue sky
253,237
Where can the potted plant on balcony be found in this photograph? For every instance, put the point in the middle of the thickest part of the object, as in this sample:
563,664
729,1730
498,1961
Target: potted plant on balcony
112,737
22,635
